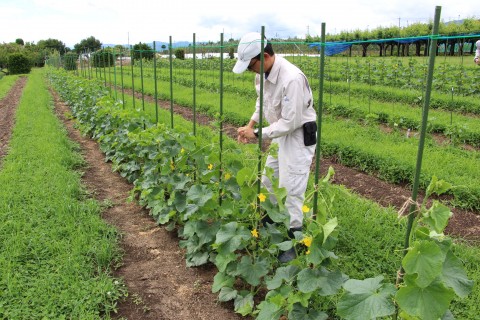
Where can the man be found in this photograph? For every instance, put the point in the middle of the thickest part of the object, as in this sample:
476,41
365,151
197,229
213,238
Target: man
288,109
477,53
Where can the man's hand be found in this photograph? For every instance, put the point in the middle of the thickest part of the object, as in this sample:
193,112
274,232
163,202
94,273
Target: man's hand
476,60
245,134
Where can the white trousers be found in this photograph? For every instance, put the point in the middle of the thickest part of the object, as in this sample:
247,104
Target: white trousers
292,168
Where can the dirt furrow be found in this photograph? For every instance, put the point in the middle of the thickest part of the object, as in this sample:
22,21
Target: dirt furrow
8,105
160,285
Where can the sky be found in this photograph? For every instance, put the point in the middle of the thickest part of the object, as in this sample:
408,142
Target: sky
130,22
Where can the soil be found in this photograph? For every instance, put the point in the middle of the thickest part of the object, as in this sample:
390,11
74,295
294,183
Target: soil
160,285
8,105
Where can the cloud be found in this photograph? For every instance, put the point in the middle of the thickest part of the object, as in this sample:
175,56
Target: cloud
122,22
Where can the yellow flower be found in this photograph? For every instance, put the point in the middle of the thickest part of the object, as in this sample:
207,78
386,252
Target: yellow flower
182,150
262,197
254,233
227,176
307,241
210,166
305,208
308,252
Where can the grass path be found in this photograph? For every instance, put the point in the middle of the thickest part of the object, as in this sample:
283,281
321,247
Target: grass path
55,251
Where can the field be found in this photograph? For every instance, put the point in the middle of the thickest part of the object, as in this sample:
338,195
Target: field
199,184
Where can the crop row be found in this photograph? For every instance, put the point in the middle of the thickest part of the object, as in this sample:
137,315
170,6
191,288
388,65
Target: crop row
214,207
406,105
391,157
208,79
405,73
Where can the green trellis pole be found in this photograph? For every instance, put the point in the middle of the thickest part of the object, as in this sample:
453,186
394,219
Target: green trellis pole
319,119
170,57
121,77
81,67
90,72
104,69
96,62
260,121
115,73
423,130
132,59
155,80
221,119
141,80
109,73
194,93
194,87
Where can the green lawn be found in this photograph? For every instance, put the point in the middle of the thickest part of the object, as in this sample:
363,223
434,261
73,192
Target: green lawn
56,253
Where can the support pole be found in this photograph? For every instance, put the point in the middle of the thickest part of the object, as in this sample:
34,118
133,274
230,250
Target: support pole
319,119
423,130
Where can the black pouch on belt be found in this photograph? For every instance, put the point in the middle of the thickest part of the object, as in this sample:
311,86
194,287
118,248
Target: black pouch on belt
310,133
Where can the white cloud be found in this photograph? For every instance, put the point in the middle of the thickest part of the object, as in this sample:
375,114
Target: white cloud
122,21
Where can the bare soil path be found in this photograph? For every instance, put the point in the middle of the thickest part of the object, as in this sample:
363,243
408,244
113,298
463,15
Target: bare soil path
8,106
160,285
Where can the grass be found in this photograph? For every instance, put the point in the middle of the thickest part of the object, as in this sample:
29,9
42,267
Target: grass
6,83
56,253
401,110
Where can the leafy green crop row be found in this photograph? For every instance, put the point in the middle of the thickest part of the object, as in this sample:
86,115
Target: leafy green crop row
208,80
391,157
458,129
216,210
404,73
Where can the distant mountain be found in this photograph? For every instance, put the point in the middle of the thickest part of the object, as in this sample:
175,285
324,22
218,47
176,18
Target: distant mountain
454,21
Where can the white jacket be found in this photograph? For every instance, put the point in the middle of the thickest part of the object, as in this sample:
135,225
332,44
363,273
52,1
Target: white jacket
288,101
477,52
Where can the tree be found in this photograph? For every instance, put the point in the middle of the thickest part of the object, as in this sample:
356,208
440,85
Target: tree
143,50
6,50
180,54
119,49
19,41
90,45
51,45
18,63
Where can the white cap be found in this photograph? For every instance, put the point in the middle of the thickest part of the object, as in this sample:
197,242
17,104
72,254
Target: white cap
249,47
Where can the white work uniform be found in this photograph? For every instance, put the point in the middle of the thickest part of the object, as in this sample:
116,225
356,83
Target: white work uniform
477,52
288,104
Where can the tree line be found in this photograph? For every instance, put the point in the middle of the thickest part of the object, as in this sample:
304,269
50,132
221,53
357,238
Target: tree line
381,38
